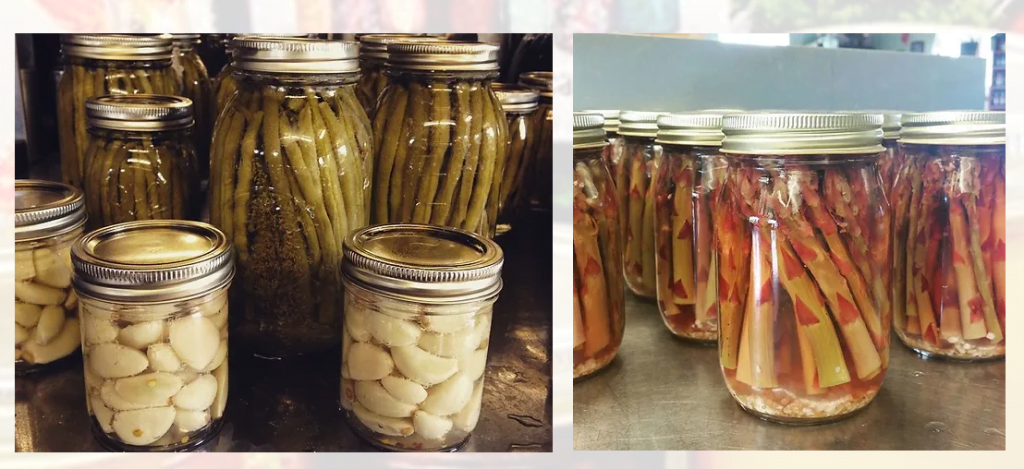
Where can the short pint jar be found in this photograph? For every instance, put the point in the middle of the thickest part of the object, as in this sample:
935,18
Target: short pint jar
154,310
418,307
48,218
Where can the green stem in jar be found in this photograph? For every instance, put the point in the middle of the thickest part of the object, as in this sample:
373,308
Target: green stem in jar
417,156
440,137
415,110
243,187
67,113
515,160
279,181
228,165
637,192
313,178
349,124
332,178
95,154
460,147
475,137
82,91
302,194
347,166
362,136
109,178
393,109
487,166
158,178
647,232
494,197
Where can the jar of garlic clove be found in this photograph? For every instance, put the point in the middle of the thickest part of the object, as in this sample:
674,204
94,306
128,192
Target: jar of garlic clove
418,306
154,312
48,217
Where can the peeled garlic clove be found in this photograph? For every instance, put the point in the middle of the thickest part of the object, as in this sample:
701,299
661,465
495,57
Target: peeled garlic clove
71,301
449,345
218,357
24,268
38,294
103,414
61,346
51,269
151,389
26,315
195,339
374,397
99,331
197,395
466,418
450,396
162,358
20,334
355,324
474,363
142,335
191,420
403,389
390,331
221,401
215,305
447,324
143,426
219,320
346,342
117,361
368,362
481,331
92,380
423,367
384,425
348,393
430,427
51,319
113,400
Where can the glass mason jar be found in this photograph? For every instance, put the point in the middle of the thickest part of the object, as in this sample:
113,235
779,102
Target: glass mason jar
685,189
598,299
636,199
891,159
418,307
451,161
803,264
950,235
224,87
196,86
290,178
141,164
612,154
539,187
154,309
372,55
100,64
520,104
48,218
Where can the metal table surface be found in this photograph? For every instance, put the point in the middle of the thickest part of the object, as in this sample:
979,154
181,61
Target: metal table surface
292,405
663,393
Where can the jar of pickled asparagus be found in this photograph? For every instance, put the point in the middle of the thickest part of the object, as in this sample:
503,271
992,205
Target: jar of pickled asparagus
48,218
891,160
154,311
520,104
950,228
372,55
685,189
802,231
449,166
538,189
598,299
100,64
290,178
636,199
141,164
613,152
196,86
418,307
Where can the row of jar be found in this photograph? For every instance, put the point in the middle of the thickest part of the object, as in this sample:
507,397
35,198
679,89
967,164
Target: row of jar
795,240
148,306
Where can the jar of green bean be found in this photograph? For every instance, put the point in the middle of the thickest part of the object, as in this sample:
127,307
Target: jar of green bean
540,183
372,53
196,86
520,105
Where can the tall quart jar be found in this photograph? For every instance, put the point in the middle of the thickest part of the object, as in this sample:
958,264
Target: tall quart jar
140,162
290,178
686,188
100,64
372,55
539,187
154,309
48,218
418,307
598,299
636,199
520,105
440,135
950,235
196,86
803,262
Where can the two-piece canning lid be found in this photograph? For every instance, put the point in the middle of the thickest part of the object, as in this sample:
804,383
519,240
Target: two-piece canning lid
542,82
44,209
639,123
139,112
696,129
440,55
423,264
801,133
275,54
954,128
152,261
514,98
375,46
588,131
116,46
611,119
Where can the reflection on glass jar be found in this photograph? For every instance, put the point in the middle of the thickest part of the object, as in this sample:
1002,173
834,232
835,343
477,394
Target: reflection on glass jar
950,235
636,199
803,264
598,297
154,310
49,217
418,307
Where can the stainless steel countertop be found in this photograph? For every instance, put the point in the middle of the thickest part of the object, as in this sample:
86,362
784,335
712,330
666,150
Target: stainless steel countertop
663,393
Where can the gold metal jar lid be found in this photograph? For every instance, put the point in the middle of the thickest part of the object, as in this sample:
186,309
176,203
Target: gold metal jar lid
152,261
184,42
275,54
611,118
423,264
588,131
639,123
116,46
954,128
802,133
43,209
543,82
697,128
514,98
375,46
440,55
139,112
